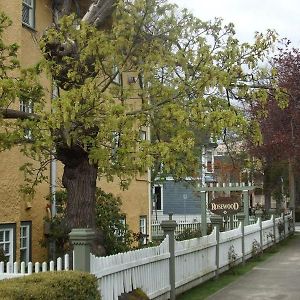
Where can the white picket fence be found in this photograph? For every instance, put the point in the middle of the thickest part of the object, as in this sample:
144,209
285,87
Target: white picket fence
181,227
145,268
195,261
226,222
193,226
10,270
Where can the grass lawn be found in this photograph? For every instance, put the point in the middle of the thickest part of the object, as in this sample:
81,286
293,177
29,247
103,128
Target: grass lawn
211,286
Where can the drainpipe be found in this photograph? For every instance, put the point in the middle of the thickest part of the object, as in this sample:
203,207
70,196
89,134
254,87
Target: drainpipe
149,206
53,185
52,246
149,194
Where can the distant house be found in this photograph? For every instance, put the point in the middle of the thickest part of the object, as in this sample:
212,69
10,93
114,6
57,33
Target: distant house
180,198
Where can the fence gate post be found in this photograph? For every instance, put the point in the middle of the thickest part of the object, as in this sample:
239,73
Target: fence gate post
81,239
216,222
259,214
241,217
168,226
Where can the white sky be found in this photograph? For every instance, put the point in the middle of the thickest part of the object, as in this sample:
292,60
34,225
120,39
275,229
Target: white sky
250,16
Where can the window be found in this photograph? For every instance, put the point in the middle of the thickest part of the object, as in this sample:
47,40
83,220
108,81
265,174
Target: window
7,243
143,135
28,13
143,230
157,197
117,78
25,236
116,140
120,233
27,108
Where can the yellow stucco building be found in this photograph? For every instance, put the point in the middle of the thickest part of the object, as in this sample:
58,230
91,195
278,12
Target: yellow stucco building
21,219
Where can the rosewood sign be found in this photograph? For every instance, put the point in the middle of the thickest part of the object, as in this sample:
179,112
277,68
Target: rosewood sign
224,206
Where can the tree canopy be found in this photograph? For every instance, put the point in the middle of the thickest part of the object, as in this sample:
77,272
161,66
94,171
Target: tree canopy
149,66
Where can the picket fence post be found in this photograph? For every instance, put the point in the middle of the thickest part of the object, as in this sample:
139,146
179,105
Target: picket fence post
241,217
168,226
272,212
216,222
81,239
259,214
283,220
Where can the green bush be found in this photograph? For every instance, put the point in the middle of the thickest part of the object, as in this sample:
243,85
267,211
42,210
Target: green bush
136,294
64,285
113,234
188,233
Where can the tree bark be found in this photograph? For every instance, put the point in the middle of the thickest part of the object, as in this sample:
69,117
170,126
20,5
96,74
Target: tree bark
79,179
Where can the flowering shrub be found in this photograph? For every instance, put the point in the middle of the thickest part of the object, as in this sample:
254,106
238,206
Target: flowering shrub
232,256
256,248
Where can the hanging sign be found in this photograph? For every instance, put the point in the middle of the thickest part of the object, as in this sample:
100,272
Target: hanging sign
224,206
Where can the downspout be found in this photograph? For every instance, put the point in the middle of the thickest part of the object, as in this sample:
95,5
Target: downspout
53,171
53,185
149,195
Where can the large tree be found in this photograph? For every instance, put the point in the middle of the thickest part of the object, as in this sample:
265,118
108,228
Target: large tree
179,76
280,127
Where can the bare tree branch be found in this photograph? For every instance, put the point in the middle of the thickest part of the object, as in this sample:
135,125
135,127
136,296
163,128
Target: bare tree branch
16,114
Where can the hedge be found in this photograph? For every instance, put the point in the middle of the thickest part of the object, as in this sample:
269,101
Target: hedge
62,285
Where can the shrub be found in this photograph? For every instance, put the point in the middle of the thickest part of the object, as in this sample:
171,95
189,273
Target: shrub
256,248
64,285
136,294
188,233
112,232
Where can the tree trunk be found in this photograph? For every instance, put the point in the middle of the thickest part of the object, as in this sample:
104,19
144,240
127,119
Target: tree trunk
79,179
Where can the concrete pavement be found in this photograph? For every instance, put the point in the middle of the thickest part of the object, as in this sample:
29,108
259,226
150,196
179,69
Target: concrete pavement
278,278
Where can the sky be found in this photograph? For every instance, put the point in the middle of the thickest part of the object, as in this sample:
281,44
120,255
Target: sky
250,16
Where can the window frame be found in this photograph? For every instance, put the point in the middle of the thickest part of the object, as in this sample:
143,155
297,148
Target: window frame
118,78
143,135
28,226
27,108
12,232
161,197
143,239
31,10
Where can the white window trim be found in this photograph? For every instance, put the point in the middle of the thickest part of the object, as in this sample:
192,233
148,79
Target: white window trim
27,108
11,242
162,196
143,135
143,229
117,79
31,11
27,246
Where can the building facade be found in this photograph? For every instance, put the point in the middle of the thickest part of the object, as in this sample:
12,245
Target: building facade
21,219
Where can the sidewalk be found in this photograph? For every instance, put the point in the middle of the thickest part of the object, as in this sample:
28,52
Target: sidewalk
277,278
